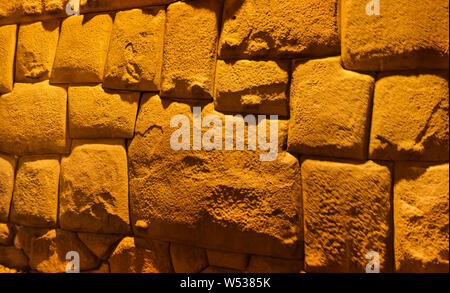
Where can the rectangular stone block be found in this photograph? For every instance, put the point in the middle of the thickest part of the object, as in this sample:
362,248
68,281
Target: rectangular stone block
421,196
347,214
94,188
7,167
82,49
135,50
36,50
330,109
33,119
98,113
410,117
7,53
222,200
258,87
272,28
190,46
35,198
404,35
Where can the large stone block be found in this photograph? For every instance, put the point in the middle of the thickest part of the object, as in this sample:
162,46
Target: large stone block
231,260
7,53
100,244
35,198
47,249
190,46
405,35
330,109
7,167
272,28
94,188
223,200
33,119
421,218
134,255
36,50
259,87
347,214
82,49
135,50
410,117
188,259
98,113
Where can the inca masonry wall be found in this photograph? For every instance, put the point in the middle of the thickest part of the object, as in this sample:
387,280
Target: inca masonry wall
86,164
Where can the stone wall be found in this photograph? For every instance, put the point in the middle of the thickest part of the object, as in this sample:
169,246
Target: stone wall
86,163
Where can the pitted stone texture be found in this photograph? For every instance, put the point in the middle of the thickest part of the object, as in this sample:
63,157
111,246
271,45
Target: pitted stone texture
410,117
258,87
267,264
98,113
219,199
35,198
405,35
188,259
82,49
7,52
190,47
135,50
33,119
134,255
230,260
421,218
36,50
330,109
347,214
47,249
272,28
94,188
6,234
100,244
7,169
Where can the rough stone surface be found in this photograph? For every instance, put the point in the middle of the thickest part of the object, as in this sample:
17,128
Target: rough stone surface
130,257
266,264
135,50
6,234
421,217
100,244
35,198
82,49
36,50
12,257
7,167
190,46
94,188
7,53
33,119
47,249
218,200
224,259
403,36
98,113
330,109
271,28
410,117
188,259
347,213
258,87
